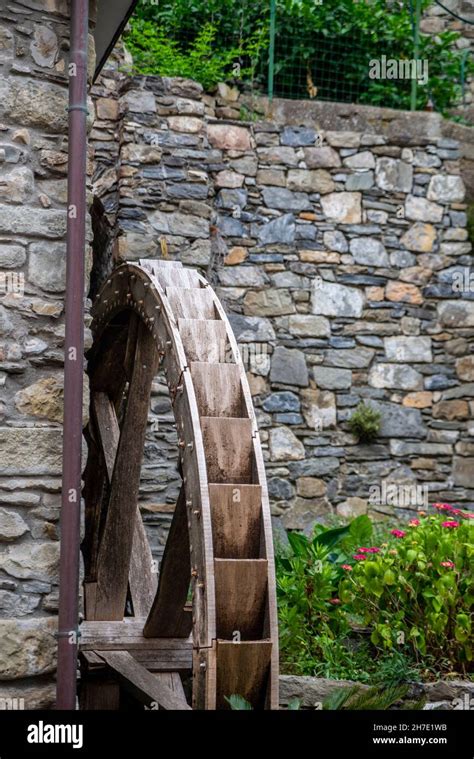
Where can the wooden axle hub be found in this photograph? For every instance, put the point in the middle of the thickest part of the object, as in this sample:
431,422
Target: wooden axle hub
219,548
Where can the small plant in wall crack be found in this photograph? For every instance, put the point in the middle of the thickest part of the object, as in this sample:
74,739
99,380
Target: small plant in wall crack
365,423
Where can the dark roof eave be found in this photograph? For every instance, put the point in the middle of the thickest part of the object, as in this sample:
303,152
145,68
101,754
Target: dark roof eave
116,36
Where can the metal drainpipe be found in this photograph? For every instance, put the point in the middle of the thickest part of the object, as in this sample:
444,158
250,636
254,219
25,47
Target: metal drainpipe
73,360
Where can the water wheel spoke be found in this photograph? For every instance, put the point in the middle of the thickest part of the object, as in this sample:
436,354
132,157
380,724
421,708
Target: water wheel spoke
168,617
117,540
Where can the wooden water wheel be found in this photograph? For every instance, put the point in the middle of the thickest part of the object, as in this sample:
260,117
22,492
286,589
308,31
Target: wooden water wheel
139,635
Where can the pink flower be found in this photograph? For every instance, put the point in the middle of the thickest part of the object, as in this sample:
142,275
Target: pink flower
451,524
373,549
467,514
448,564
443,506
398,533
359,556
413,522
347,567
363,550
335,601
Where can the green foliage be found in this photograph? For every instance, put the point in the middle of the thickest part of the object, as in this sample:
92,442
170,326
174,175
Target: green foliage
418,588
383,614
238,703
154,53
334,41
376,698
365,423
294,705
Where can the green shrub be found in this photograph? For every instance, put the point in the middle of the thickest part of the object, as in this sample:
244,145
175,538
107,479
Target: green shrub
386,613
365,423
203,59
417,588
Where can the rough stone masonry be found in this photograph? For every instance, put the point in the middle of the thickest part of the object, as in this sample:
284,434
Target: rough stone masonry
335,252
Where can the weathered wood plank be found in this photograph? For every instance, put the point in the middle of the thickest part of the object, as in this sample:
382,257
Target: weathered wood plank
228,449
242,669
117,540
218,389
203,339
167,617
148,688
171,276
95,489
106,361
154,265
109,430
173,681
99,694
191,304
98,690
142,580
236,520
241,587
153,659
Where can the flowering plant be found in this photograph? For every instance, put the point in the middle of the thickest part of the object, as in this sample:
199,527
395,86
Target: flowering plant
417,589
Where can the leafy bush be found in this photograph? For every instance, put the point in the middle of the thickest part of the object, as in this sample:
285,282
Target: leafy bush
365,423
308,577
385,613
154,53
333,41
417,587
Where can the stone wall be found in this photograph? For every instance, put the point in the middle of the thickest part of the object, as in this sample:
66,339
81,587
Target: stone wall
334,252
34,43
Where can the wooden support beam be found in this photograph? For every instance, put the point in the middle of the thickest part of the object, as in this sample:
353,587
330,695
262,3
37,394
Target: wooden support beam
167,617
108,428
142,579
147,688
116,545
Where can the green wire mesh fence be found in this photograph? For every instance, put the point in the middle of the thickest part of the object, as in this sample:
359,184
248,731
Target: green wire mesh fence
304,49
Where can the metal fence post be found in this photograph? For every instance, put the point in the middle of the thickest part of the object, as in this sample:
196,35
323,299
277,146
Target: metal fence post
416,44
271,52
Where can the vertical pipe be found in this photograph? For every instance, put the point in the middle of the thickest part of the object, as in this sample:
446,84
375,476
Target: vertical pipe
73,360
416,45
271,52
